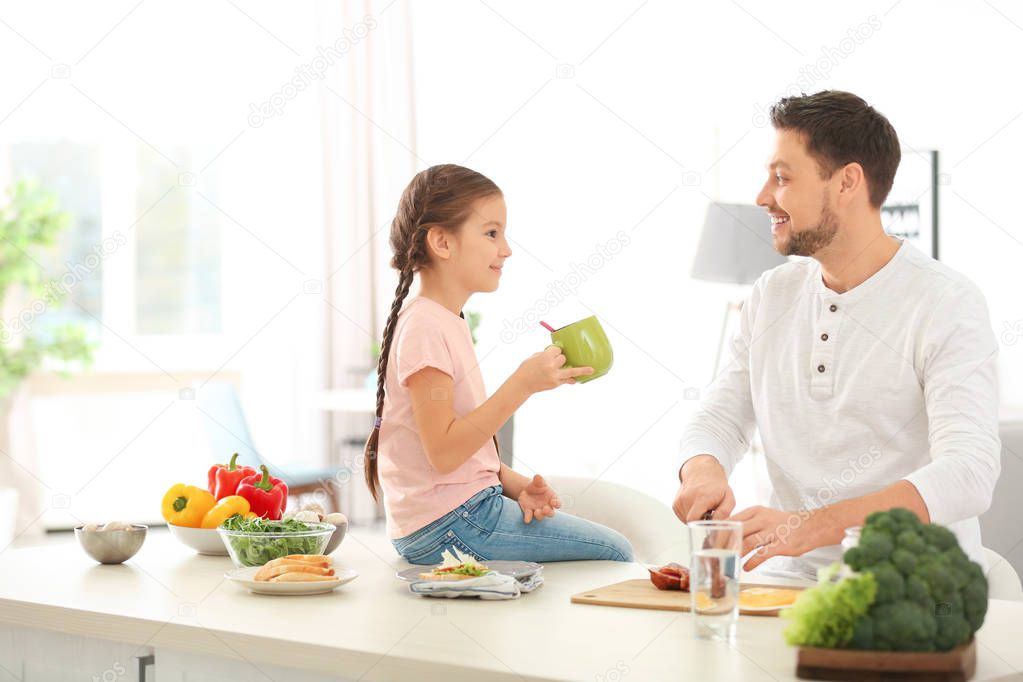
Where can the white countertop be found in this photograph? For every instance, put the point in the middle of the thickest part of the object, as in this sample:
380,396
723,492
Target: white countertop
374,629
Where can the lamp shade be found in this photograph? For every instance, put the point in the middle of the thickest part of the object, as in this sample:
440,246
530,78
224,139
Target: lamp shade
735,245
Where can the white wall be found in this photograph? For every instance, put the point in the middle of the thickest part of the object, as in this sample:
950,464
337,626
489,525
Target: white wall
675,90
172,75
655,118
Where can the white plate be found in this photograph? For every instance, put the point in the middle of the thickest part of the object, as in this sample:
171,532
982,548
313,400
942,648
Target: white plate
516,569
246,578
763,609
759,609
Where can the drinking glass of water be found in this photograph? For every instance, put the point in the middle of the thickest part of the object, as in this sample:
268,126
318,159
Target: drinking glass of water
715,548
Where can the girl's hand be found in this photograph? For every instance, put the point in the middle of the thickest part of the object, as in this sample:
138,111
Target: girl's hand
544,371
538,500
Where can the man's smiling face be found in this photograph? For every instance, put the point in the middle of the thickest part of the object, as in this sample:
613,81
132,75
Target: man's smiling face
797,198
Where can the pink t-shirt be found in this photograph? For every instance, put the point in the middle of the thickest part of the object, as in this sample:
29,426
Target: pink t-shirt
428,335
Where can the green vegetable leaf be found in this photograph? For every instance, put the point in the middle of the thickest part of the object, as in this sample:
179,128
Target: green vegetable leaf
826,615
256,551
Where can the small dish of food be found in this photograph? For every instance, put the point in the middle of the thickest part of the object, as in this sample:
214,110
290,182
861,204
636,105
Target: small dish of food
293,574
458,565
113,542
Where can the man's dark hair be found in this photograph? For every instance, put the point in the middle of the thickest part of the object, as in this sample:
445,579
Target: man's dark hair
841,128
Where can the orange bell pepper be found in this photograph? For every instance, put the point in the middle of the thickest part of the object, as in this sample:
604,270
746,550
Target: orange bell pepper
232,505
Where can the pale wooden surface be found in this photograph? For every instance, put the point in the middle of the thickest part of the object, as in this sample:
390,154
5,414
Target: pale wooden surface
960,660
168,597
639,593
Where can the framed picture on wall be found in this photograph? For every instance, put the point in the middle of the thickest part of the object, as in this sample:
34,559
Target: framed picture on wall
911,210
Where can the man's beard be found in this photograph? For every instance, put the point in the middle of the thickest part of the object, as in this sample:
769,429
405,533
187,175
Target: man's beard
810,241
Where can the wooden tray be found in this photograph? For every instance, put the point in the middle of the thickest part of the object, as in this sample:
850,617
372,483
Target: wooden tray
641,594
956,665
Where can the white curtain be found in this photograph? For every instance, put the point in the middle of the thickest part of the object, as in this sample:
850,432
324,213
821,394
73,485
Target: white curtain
23,496
369,155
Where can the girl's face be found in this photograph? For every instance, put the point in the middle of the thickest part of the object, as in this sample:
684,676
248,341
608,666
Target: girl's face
479,249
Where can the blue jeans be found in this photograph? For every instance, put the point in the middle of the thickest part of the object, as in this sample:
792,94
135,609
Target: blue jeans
489,526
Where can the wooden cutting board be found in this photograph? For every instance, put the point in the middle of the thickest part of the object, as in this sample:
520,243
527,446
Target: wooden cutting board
956,665
641,594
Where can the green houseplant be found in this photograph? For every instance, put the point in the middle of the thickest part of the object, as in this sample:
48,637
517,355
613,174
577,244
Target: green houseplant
31,222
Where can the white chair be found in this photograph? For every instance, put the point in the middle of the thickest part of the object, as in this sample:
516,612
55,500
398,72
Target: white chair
1002,579
657,536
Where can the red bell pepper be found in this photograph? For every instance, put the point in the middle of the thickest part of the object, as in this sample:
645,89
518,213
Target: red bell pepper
267,496
223,479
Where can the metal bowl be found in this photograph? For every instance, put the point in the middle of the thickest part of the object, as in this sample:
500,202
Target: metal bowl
335,540
112,546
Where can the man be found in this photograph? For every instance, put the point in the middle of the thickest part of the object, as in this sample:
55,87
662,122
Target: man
868,368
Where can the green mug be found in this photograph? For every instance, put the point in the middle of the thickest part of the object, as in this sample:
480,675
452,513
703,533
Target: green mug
585,344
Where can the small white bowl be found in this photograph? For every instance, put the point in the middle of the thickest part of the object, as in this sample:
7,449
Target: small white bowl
202,540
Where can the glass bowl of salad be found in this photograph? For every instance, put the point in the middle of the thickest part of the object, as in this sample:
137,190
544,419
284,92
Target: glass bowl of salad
253,542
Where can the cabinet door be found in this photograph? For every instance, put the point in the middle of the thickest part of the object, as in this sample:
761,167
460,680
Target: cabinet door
181,666
11,669
29,654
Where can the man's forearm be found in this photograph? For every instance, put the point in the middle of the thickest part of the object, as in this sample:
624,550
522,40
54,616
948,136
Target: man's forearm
698,463
835,518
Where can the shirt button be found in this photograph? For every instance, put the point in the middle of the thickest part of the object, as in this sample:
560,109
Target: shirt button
833,307
824,337
820,368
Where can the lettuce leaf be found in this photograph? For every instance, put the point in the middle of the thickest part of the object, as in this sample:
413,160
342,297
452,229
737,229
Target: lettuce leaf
825,615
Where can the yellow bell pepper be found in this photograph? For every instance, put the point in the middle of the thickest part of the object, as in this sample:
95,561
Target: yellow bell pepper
186,505
225,509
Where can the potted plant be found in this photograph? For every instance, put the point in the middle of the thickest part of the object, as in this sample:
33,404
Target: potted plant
30,223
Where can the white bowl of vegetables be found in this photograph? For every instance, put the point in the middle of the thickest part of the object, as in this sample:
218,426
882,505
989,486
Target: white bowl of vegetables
255,541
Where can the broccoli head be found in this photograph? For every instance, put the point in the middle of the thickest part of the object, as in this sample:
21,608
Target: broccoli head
930,596
863,634
904,626
939,536
891,587
911,541
875,546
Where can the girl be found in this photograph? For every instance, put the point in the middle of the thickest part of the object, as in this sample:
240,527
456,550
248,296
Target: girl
433,450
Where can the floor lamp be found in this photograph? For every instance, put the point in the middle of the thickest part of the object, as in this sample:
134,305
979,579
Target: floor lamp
736,248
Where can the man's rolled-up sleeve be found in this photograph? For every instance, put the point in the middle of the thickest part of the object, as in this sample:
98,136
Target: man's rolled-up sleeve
958,354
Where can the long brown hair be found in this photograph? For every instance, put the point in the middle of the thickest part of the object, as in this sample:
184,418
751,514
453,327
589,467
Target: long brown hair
440,196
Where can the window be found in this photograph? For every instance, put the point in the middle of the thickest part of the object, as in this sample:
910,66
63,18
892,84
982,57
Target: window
177,246
71,171
174,288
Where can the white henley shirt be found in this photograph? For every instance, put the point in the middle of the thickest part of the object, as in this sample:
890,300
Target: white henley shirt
893,379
